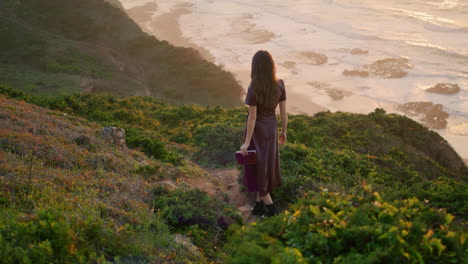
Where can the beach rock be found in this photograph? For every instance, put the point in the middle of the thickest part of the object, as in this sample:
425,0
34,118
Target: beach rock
430,114
459,129
114,135
314,58
358,51
335,94
289,64
247,16
444,88
355,73
187,244
248,32
317,84
257,36
436,117
390,68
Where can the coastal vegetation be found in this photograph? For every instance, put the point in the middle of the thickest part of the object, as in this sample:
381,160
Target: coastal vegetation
342,174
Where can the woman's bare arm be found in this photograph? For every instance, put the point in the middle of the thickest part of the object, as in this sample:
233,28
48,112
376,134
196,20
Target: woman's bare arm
250,128
284,121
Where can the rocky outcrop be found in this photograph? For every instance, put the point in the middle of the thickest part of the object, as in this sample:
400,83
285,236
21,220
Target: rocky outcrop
357,51
314,58
289,64
431,114
114,135
335,94
444,88
390,68
355,73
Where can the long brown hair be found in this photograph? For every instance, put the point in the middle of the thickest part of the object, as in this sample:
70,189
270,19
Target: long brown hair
263,78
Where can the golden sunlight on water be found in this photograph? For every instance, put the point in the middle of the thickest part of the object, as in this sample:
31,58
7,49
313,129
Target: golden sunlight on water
424,16
449,3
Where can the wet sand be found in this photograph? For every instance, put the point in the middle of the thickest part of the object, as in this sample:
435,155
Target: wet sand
142,14
166,26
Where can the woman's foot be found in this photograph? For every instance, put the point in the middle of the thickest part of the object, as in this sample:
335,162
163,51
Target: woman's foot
270,210
259,208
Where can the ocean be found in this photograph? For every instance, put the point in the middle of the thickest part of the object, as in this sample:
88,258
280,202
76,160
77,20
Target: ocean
315,42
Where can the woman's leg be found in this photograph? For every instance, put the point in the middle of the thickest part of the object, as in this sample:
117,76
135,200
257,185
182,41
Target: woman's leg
266,199
259,208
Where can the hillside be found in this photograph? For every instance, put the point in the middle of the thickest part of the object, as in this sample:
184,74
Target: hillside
63,182
69,196
92,46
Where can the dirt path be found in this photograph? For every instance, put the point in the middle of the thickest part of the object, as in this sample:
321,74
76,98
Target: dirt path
224,185
228,180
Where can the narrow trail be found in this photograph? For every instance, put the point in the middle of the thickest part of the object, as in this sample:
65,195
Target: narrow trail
225,185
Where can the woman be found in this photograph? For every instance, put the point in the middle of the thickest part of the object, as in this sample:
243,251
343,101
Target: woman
264,94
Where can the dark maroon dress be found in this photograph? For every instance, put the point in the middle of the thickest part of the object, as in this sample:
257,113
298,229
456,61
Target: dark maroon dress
264,176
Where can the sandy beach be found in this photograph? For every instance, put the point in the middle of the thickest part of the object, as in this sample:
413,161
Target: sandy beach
143,14
166,27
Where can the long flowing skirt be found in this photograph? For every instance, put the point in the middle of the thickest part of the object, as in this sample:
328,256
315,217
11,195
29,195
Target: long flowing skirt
264,176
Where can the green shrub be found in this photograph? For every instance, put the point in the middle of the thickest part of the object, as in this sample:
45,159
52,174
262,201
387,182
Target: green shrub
306,169
441,193
190,207
335,228
151,146
217,143
48,235
73,62
197,215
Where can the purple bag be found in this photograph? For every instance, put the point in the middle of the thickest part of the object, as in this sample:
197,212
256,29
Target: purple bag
249,159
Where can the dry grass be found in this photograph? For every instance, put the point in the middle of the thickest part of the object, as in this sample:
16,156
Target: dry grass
52,160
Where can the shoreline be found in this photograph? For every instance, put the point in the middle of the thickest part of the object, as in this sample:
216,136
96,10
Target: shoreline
166,27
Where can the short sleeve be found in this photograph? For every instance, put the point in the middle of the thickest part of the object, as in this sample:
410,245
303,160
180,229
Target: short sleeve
250,99
283,91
